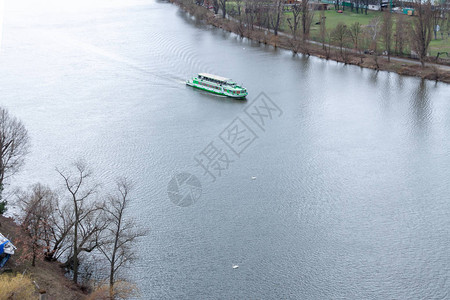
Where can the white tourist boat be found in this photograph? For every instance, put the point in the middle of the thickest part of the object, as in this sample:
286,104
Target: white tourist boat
217,85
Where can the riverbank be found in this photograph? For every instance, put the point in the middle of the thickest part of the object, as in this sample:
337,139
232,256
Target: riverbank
48,276
401,66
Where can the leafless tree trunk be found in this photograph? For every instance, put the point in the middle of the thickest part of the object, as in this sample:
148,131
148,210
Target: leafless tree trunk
295,21
276,15
307,17
266,9
223,6
14,143
250,14
422,29
386,32
323,28
327,49
216,6
122,232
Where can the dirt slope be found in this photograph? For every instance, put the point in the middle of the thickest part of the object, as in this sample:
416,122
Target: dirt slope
49,276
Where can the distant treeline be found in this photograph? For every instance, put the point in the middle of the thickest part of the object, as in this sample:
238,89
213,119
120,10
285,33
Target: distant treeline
389,34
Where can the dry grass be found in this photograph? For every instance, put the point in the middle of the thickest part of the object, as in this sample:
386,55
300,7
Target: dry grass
122,290
16,287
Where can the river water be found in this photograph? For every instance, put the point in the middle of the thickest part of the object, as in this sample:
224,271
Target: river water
342,193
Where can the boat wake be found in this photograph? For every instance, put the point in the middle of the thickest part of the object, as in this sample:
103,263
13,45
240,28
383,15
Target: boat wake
162,78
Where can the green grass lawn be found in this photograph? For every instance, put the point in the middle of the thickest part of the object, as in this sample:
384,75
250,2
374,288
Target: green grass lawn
333,18
440,45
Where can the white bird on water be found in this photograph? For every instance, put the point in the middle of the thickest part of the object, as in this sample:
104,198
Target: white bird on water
235,266
253,177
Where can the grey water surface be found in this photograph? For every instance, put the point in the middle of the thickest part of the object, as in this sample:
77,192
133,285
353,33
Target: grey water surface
345,195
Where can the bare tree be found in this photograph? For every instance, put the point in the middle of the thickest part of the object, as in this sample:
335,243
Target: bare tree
327,48
438,15
422,29
373,35
401,34
239,27
14,143
276,15
86,221
386,32
340,35
355,32
57,241
307,17
250,14
265,12
373,32
35,219
323,28
122,232
295,21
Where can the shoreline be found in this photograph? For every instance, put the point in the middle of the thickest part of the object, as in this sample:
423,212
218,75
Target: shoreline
399,65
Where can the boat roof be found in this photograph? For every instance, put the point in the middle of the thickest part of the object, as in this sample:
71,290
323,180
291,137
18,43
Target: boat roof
215,77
